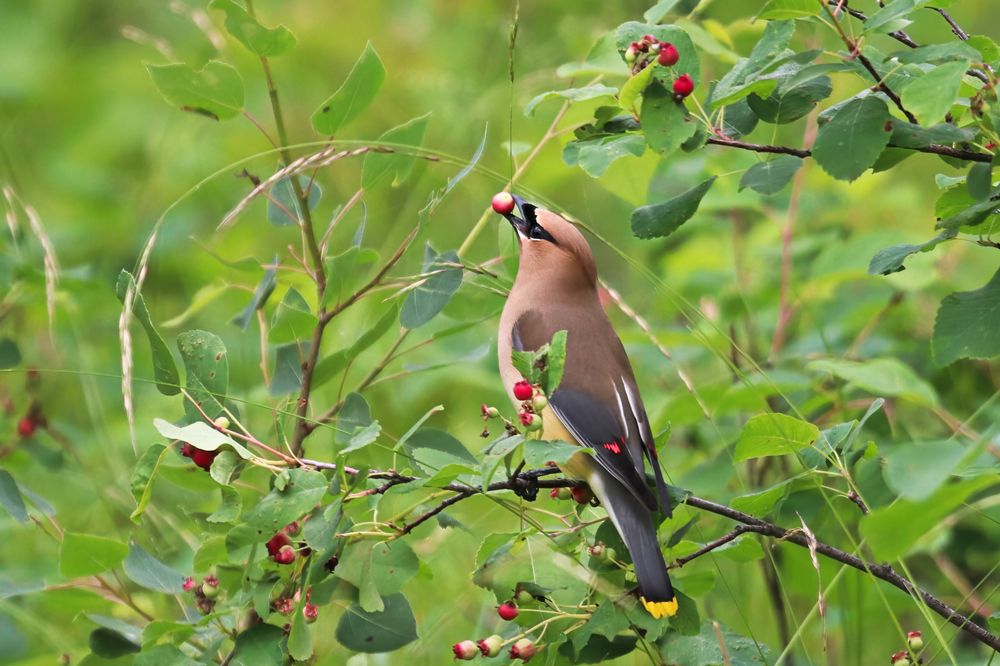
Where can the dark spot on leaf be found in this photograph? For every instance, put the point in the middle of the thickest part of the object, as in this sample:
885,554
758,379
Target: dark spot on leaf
326,109
888,126
211,375
218,356
369,639
200,111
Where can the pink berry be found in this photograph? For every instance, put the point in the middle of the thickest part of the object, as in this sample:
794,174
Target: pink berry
683,86
523,390
668,55
188,584
26,427
503,202
310,612
524,650
465,650
507,611
286,555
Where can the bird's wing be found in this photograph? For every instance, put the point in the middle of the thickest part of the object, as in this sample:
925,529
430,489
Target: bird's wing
587,405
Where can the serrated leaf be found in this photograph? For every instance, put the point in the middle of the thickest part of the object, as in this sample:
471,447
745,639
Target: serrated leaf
87,555
383,631
141,481
704,648
745,76
665,122
770,177
930,96
284,208
215,91
773,435
168,381
267,42
890,16
303,490
908,135
146,571
594,91
596,154
555,362
260,645
967,324
428,299
854,138
379,165
353,96
789,102
430,449
979,182
662,219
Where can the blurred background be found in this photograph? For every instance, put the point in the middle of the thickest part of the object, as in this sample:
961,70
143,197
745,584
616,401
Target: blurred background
86,139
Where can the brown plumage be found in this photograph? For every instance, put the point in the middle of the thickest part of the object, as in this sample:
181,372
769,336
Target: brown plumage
597,403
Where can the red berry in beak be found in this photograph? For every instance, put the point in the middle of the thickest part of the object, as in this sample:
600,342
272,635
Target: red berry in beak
507,611
523,390
503,203
683,86
524,650
668,55
26,427
465,650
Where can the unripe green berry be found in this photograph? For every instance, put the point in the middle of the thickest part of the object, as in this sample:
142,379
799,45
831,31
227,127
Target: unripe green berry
222,423
539,402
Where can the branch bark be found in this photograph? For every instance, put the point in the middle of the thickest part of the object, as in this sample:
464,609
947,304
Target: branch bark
934,149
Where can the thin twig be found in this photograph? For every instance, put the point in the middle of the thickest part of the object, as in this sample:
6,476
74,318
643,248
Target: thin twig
934,149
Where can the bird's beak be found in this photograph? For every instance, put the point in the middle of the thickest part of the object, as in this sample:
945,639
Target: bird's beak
518,218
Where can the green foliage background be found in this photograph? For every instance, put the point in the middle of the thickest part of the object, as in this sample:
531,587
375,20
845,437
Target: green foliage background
88,141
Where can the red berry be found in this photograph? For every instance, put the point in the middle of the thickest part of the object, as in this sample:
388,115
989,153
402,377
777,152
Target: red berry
26,427
331,564
187,450
292,529
188,584
285,606
490,646
668,55
523,390
503,202
507,611
683,86
524,650
276,542
310,612
285,556
531,422
901,658
203,459
915,640
465,650
554,493
582,494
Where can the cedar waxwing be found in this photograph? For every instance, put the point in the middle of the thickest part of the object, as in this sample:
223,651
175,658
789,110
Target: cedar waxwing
597,403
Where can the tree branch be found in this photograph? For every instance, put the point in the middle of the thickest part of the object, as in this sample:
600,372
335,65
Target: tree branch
748,523
934,149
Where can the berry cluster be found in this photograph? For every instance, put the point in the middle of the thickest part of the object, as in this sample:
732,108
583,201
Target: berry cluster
533,401
286,606
282,549
579,494
642,53
205,594
911,655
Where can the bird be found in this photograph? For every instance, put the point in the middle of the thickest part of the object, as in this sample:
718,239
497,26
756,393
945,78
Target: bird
597,403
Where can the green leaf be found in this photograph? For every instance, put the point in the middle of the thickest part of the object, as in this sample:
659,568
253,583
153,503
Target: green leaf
704,648
659,10
789,102
771,176
229,510
988,50
890,532
284,208
355,427
930,96
890,17
890,259
146,571
980,180
87,555
915,471
143,474
430,449
10,497
881,377
332,365
266,42
594,91
383,631
972,216
207,369
288,361
749,74
215,91
163,655
908,135
303,490
260,645
555,362
854,138
345,273
596,154
967,323
778,10
744,548
200,435
379,165
539,452
10,355
353,96
763,502
168,381
635,87
110,644
773,435
260,295
428,299
665,121
293,320
389,565
662,219
937,53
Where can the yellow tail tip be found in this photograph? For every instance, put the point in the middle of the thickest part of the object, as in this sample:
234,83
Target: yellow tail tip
660,609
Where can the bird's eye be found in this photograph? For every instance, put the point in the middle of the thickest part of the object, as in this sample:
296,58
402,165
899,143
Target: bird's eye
536,232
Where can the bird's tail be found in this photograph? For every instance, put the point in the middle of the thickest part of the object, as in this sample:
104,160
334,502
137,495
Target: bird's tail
634,523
